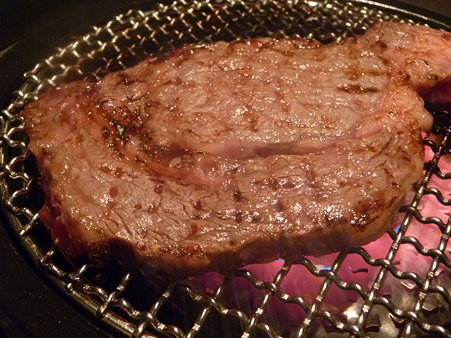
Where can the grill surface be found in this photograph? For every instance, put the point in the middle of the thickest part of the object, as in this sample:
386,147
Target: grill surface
399,285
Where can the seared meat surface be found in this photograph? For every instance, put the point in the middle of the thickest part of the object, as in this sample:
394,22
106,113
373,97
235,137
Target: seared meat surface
227,154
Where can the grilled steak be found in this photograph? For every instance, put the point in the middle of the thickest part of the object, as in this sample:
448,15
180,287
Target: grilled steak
227,154
422,52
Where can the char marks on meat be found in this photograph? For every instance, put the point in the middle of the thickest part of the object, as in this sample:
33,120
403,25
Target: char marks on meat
221,155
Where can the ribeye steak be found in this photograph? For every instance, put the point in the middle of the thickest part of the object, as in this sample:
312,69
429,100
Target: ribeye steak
221,155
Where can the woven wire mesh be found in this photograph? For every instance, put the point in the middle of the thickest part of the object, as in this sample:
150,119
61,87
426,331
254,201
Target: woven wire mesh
398,285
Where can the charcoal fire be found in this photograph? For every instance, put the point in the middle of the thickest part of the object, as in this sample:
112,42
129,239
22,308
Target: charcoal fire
348,286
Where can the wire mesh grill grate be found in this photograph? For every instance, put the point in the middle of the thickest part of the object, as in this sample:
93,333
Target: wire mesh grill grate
400,285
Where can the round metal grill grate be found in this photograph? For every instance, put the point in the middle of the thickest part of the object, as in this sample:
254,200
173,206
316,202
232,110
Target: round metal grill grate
398,285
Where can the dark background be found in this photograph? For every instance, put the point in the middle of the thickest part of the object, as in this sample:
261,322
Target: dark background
20,18
439,6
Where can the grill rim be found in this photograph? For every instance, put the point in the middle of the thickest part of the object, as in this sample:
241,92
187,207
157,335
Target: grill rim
17,50
26,294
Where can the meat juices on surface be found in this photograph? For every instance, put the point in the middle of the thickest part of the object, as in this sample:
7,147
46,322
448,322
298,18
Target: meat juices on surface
228,154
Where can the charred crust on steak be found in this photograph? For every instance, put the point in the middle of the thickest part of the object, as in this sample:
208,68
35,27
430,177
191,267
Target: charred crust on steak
357,89
158,188
198,205
238,196
106,132
380,44
113,191
238,217
127,80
